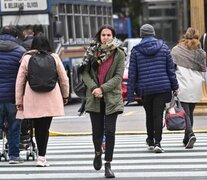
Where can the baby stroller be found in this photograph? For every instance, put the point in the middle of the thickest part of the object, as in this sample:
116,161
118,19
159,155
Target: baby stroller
26,140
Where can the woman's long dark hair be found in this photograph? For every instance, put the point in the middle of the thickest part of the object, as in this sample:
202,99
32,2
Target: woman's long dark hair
41,42
106,26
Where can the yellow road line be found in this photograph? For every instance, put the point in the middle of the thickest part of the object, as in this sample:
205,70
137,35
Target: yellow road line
130,113
52,133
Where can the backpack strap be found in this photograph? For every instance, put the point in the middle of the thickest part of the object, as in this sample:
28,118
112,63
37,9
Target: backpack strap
30,52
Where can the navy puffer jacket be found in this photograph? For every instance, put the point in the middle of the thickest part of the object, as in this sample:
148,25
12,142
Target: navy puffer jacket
151,69
10,55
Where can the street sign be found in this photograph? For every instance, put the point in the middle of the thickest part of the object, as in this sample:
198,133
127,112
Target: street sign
24,5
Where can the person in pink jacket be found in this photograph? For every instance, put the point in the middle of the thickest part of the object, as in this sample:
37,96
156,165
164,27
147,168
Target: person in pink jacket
41,107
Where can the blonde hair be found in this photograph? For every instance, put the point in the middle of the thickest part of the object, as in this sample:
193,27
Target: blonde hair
190,39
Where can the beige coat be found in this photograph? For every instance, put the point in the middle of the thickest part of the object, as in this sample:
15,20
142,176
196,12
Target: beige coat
37,104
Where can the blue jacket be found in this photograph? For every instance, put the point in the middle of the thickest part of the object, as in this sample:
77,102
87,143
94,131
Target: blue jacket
151,69
10,55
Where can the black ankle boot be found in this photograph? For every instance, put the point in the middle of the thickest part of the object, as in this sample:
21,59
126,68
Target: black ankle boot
108,172
97,162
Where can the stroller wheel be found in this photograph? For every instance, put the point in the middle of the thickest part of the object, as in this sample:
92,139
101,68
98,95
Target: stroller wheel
5,155
33,155
27,155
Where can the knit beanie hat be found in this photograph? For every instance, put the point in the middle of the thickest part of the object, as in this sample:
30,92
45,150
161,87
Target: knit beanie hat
147,30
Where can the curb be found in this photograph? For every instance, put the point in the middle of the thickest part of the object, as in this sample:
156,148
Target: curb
53,133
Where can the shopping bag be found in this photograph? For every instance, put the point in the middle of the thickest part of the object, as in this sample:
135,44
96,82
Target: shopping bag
175,115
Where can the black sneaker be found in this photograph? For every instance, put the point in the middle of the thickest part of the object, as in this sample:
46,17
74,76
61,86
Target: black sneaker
158,149
191,142
185,141
150,144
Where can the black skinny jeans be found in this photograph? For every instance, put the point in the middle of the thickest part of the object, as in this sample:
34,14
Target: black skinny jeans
42,126
154,105
104,124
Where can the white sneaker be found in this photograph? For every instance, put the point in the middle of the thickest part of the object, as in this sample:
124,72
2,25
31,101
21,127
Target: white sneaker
150,145
16,160
42,163
158,149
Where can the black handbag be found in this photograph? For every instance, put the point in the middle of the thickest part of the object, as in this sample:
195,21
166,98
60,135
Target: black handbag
79,86
175,115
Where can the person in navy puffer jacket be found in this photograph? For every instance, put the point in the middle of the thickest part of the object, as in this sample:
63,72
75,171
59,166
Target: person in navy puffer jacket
10,55
152,76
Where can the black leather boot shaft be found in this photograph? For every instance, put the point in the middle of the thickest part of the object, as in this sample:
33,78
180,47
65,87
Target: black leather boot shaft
108,172
97,162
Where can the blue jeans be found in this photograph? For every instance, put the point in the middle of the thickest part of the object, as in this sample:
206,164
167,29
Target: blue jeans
8,113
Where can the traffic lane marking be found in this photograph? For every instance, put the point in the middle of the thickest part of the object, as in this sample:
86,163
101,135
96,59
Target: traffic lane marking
132,113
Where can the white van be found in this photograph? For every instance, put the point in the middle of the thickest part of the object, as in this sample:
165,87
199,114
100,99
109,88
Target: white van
128,44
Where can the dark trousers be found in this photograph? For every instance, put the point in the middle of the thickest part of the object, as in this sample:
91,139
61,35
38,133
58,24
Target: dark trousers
104,124
189,108
42,126
154,105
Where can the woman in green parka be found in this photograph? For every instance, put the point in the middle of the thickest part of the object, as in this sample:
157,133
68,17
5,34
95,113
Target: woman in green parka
103,77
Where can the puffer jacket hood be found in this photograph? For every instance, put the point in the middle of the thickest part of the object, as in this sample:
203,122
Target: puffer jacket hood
149,46
8,43
5,46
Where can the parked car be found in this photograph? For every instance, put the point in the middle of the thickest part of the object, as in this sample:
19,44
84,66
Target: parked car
128,44
138,99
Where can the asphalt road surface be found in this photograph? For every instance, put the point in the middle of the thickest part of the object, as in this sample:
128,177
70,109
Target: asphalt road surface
131,121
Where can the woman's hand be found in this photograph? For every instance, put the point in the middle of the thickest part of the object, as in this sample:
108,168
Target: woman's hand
19,107
65,101
97,92
176,92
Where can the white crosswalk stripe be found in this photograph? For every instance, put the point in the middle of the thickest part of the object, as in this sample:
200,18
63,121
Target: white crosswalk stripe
71,157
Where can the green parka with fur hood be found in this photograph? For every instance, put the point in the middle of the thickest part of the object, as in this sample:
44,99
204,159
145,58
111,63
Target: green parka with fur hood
112,92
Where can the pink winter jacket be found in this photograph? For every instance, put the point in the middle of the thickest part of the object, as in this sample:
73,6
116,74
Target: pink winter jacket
35,104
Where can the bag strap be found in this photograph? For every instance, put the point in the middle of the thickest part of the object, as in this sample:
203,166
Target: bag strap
178,102
204,39
175,101
172,102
